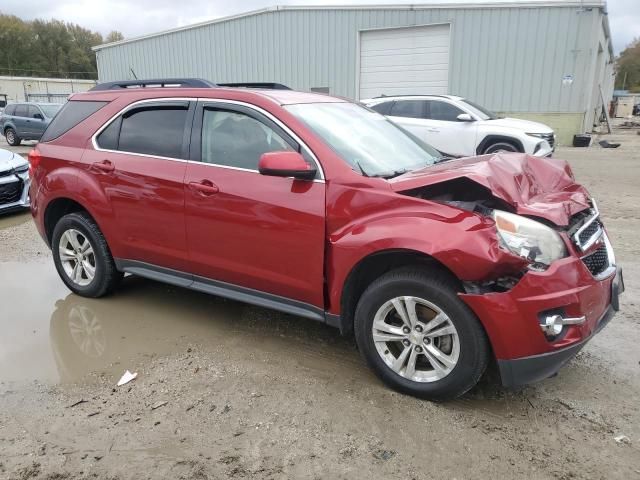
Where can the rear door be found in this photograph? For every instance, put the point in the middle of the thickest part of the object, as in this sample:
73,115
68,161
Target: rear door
20,120
140,163
246,229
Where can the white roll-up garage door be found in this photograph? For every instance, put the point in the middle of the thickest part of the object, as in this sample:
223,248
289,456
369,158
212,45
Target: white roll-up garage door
404,61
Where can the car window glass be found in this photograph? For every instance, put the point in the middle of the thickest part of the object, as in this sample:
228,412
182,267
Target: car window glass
382,108
10,110
237,140
108,138
70,115
32,111
408,109
153,131
21,111
443,111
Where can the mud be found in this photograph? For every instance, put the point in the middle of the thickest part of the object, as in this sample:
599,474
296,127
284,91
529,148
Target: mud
257,394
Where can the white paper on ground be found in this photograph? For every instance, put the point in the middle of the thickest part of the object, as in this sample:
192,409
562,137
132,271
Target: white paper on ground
127,377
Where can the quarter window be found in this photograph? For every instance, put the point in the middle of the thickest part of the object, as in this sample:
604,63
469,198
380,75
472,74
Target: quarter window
408,109
443,111
157,130
237,140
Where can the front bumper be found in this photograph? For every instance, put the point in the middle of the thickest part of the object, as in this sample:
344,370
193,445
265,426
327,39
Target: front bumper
512,319
14,192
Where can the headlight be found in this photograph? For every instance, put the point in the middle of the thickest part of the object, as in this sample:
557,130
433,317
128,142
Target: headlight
529,239
539,135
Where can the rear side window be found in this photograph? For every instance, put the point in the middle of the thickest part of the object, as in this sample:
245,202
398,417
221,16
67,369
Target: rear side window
382,108
21,111
408,109
10,110
70,115
154,131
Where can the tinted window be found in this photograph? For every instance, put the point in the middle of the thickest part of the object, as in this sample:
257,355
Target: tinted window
32,111
21,111
443,111
237,140
108,138
71,114
50,110
10,110
153,131
408,109
382,108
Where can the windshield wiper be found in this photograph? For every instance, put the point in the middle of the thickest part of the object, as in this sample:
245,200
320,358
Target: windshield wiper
392,174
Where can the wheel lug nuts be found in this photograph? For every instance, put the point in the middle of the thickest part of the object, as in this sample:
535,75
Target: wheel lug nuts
406,330
418,328
427,340
406,343
418,349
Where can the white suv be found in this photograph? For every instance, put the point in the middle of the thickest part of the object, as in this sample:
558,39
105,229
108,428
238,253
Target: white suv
457,127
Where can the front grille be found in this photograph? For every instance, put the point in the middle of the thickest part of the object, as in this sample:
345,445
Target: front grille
10,192
590,231
598,261
592,228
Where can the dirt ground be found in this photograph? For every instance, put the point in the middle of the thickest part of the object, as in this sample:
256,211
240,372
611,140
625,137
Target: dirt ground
230,390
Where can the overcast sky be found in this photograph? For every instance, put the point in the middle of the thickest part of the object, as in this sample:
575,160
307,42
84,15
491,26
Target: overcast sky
137,17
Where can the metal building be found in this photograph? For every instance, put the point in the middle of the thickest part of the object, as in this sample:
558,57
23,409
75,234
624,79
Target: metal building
545,61
38,89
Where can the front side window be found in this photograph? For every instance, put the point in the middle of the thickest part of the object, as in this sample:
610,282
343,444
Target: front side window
155,130
370,143
237,140
443,111
50,110
408,109
33,112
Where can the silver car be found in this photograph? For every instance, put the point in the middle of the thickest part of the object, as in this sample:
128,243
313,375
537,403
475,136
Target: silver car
14,181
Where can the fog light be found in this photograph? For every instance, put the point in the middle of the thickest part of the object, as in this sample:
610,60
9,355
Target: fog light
552,325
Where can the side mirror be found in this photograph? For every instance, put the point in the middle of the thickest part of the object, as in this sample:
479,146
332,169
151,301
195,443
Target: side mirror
38,116
285,164
465,117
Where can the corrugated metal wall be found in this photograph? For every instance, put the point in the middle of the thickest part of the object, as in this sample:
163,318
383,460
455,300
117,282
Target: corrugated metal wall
508,59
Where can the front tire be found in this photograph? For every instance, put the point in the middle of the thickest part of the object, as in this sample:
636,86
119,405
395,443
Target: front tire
12,137
82,256
418,336
503,146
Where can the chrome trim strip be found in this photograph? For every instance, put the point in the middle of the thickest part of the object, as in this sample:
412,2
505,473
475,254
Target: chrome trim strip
595,237
96,147
611,260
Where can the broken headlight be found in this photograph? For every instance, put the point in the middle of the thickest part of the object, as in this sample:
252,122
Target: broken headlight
529,239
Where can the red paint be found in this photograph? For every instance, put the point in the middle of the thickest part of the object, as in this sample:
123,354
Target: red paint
301,239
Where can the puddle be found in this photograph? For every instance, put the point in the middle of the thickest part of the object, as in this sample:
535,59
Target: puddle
14,219
52,335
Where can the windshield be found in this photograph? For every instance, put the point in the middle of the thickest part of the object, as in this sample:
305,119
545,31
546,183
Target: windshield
50,110
371,144
480,112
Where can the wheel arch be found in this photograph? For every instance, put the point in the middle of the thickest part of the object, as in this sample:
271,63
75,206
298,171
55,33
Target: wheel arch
58,208
374,265
491,139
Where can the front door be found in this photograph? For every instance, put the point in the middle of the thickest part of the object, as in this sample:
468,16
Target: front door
140,163
448,134
247,229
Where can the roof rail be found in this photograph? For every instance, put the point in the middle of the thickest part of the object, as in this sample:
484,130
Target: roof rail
158,82
267,85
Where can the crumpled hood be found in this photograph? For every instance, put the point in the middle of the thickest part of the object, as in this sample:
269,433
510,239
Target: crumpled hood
542,187
10,160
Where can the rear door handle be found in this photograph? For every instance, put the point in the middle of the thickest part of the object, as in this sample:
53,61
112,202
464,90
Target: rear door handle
204,187
104,166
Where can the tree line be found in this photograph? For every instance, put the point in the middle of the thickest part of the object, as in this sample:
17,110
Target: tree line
48,48
628,77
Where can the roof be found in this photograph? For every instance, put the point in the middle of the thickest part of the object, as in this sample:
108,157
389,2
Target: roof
424,6
281,97
385,98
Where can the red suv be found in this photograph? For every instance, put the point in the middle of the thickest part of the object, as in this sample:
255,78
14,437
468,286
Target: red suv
322,208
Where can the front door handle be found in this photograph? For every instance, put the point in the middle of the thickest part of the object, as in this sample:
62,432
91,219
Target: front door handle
204,187
104,166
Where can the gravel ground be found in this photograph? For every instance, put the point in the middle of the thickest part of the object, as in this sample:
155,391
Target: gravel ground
230,390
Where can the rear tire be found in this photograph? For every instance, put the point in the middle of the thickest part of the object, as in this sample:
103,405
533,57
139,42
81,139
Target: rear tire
12,137
82,256
502,146
445,341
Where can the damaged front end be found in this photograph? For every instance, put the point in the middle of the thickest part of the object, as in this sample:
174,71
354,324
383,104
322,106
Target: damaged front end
538,317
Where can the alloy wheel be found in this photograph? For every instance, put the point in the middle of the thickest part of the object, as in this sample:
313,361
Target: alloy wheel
11,137
416,339
77,257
